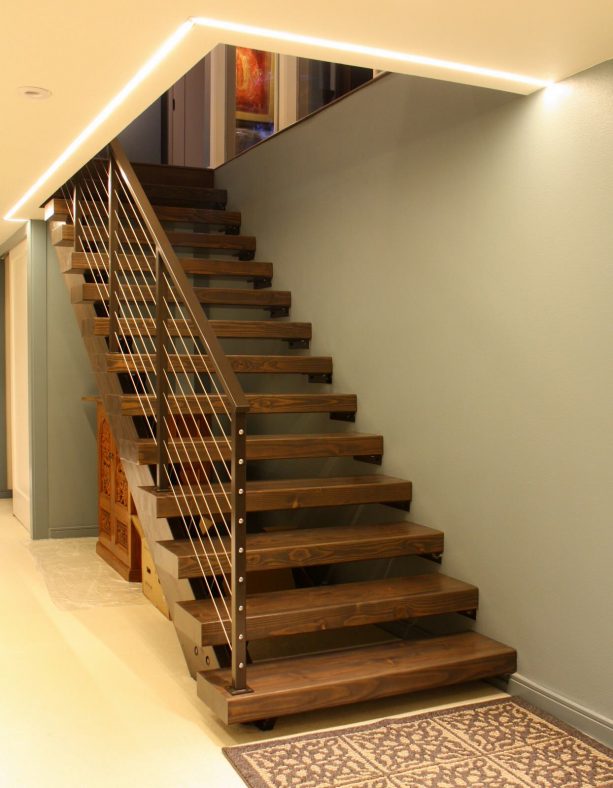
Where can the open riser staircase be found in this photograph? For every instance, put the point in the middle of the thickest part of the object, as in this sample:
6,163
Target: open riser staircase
136,243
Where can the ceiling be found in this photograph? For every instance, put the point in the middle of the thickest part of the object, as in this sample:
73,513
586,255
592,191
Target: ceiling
85,53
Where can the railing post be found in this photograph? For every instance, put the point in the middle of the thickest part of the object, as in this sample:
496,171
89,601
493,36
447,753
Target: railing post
113,260
76,215
239,555
161,385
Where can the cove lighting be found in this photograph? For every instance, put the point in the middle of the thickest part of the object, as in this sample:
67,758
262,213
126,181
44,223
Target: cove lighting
150,65
376,52
256,32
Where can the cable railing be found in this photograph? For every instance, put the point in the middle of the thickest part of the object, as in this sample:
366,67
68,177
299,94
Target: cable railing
174,359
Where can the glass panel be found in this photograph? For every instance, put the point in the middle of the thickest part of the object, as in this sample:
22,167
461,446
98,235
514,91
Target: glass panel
320,82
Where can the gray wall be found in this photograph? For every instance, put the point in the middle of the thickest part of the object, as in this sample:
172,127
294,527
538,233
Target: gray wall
72,454
453,248
142,139
62,427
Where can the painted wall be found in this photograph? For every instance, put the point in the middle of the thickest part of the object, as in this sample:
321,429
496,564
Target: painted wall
453,248
18,380
142,139
71,442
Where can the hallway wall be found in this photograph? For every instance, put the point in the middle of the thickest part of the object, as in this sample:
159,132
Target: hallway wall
453,248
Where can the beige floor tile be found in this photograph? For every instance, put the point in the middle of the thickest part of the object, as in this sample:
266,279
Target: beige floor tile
99,696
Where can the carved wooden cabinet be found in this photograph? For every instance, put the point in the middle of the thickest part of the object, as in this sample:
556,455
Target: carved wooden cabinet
119,542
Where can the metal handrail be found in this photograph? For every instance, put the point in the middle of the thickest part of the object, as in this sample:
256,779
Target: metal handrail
170,276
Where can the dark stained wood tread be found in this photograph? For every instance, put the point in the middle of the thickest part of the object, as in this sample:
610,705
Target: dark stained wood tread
288,612
303,365
59,210
63,235
80,262
272,494
301,547
134,405
224,329
174,174
214,296
298,684
259,447
188,196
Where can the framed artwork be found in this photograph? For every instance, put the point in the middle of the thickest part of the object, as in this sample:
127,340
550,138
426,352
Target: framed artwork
255,85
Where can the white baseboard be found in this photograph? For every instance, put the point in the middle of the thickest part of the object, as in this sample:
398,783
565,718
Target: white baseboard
587,721
21,508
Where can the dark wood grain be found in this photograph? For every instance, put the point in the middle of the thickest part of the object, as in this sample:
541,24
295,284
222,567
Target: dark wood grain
63,235
259,447
229,268
288,612
222,241
335,678
239,329
302,547
133,405
189,196
174,174
287,494
304,365
215,296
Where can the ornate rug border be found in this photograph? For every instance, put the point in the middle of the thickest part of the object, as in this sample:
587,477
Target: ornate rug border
235,753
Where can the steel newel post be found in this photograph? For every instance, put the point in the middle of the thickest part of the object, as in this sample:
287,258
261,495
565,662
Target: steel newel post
239,557
113,260
161,385
76,215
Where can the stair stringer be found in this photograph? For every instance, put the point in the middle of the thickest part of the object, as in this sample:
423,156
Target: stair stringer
198,658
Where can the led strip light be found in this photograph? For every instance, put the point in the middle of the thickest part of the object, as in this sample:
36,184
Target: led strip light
258,32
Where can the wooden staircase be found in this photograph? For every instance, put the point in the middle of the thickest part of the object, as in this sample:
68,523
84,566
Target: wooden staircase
194,556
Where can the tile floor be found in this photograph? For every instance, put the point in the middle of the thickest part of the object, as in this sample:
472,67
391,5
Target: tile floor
99,696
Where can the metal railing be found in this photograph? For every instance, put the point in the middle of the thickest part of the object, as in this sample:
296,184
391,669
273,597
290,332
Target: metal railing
154,314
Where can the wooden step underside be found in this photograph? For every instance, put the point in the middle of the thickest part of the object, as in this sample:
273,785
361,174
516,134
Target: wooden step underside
287,612
60,210
205,404
224,329
300,547
276,365
276,300
298,684
281,494
63,235
98,263
259,447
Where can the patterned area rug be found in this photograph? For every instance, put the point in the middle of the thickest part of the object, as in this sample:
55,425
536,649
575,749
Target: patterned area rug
495,744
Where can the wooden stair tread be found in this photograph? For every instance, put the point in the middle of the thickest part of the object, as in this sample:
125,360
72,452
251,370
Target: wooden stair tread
60,210
63,235
305,365
189,196
241,329
214,296
194,266
176,174
296,610
296,684
132,404
302,547
272,494
259,447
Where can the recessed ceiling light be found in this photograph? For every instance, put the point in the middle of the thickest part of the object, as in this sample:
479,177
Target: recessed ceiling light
33,92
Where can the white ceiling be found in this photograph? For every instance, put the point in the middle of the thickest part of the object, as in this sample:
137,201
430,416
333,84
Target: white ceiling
84,52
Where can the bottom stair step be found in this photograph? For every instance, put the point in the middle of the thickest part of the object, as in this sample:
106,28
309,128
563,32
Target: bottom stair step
298,684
